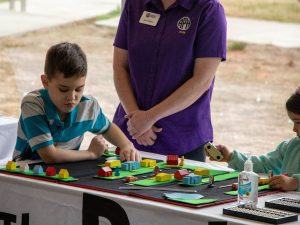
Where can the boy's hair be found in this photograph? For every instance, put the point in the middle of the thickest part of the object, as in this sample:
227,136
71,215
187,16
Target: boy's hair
66,58
293,103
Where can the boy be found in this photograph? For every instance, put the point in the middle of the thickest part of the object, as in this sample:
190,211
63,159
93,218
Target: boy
54,119
283,161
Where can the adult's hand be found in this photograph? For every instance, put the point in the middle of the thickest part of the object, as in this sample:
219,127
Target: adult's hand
139,122
148,138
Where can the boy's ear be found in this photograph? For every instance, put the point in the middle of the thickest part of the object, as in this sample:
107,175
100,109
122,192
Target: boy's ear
44,80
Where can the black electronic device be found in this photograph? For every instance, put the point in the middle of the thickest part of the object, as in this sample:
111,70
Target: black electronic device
288,204
265,215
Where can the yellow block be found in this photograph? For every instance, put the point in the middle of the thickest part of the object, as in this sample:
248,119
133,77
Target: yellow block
201,171
163,177
63,173
263,181
113,163
148,163
11,165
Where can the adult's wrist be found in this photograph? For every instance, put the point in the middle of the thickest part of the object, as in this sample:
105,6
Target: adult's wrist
152,116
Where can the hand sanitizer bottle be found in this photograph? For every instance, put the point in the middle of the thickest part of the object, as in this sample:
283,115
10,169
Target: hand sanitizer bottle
248,186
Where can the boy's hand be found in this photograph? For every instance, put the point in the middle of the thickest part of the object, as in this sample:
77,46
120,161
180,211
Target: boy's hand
97,147
129,153
284,183
224,151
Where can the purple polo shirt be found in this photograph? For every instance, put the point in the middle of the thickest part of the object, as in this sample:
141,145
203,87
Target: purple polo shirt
161,59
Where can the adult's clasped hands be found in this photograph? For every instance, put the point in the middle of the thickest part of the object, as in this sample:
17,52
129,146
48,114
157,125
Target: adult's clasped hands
140,126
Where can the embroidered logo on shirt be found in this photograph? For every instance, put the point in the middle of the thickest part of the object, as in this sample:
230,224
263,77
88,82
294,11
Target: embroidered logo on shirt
184,24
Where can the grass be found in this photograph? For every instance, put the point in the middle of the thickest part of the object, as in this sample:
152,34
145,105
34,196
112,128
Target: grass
3,1
276,10
116,12
236,46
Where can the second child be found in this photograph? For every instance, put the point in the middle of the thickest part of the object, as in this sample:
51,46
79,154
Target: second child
284,161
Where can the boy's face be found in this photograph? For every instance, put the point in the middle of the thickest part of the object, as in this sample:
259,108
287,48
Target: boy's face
65,93
296,120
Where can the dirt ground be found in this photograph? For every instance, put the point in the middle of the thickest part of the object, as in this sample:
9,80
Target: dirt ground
251,87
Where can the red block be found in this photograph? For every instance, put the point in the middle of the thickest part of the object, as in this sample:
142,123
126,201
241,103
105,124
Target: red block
117,151
172,159
105,172
180,174
50,171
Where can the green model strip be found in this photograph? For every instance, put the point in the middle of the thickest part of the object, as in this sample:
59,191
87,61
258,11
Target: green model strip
30,173
260,188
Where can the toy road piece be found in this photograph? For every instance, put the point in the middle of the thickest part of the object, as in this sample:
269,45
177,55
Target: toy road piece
213,152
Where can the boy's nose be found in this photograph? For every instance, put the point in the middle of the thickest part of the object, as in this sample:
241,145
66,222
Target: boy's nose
296,129
72,96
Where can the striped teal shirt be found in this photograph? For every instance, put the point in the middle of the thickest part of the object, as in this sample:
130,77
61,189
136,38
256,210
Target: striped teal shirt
40,125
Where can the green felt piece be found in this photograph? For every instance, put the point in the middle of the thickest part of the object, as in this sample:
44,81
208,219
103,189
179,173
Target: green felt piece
30,173
222,177
193,167
109,153
260,188
148,169
193,201
151,182
123,174
217,178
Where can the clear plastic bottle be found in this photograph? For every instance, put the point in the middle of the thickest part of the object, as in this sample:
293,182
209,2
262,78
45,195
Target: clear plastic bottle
248,186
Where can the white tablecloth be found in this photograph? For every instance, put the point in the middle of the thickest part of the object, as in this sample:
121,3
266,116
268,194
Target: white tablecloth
49,203
8,135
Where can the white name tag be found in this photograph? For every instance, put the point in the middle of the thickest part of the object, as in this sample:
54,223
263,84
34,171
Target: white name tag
149,18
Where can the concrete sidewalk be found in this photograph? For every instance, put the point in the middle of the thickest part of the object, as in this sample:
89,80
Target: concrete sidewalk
47,13
252,31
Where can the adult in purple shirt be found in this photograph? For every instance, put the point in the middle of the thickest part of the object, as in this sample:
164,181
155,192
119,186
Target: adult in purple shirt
165,57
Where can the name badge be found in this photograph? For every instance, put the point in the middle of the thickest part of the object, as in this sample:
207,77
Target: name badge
149,18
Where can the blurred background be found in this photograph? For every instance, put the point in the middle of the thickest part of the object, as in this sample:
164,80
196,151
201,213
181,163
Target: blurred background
251,87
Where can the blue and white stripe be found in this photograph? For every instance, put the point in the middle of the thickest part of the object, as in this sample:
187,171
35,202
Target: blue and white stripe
40,126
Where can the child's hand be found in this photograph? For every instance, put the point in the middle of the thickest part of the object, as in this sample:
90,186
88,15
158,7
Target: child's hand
97,147
284,183
224,151
129,153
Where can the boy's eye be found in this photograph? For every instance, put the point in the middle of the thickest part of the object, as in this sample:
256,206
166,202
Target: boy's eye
62,90
79,90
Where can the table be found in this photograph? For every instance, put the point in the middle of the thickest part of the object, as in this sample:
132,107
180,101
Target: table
35,202
8,135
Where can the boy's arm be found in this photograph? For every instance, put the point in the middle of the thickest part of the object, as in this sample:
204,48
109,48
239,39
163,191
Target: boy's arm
115,136
52,154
